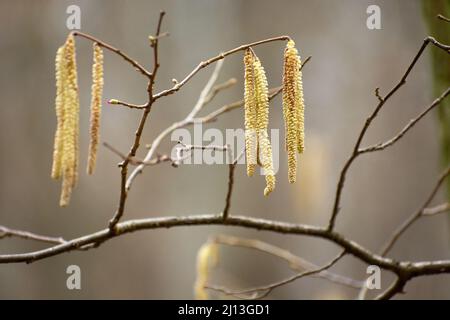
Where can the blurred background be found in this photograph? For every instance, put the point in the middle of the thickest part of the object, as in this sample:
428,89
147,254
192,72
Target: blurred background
348,62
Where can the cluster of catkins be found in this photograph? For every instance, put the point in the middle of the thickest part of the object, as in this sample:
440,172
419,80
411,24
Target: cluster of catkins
65,154
256,107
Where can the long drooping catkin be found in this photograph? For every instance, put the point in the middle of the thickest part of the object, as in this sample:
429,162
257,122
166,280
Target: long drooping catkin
59,106
300,109
96,103
250,113
293,108
262,122
71,124
65,154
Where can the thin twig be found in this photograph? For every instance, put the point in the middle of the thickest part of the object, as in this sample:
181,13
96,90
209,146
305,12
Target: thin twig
136,161
296,263
381,102
186,121
396,287
132,153
422,211
415,216
133,62
443,18
7,232
206,63
263,291
442,208
412,123
192,116
126,104
231,169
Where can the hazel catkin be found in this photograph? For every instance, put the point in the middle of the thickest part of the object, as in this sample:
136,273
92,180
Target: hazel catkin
262,122
250,113
65,154
96,104
293,108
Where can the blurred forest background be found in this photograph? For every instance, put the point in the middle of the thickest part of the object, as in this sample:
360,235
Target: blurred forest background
348,62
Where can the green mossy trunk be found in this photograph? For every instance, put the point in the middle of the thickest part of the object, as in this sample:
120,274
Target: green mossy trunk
440,30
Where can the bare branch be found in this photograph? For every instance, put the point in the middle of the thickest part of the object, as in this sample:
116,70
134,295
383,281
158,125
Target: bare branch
415,216
231,169
186,121
133,62
263,291
7,232
206,63
295,262
381,102
126,104
441,17
412,123
396,287
442,208
137,137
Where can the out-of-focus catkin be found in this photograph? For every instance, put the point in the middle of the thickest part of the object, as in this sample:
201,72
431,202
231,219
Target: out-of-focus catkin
96,104
262,122
65,155
207,257
250,113
293,108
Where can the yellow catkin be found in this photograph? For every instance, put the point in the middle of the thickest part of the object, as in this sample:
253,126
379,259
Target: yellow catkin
207,257
300,109
250,113
59,107
70,128
96,103
262,122
293,108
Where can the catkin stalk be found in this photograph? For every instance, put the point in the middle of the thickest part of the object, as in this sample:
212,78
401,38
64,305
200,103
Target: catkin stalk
96,103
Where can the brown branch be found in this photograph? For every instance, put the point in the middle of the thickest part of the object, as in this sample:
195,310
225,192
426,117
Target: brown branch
126,104
216,219
206,63
404,270
132,153
136,161
7,232
415,216
295,262
442,208
421,212
189,119
412,123
238,104
381,102
231,169
133,62
264,291
396,287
